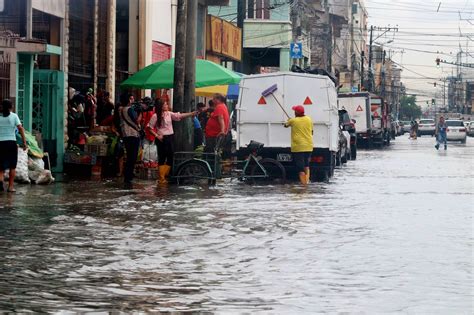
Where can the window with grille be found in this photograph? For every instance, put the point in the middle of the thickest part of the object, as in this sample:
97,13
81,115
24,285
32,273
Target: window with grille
258,9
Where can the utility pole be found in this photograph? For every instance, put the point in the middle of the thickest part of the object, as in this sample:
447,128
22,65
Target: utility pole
382,89
362,59
352,50
369,83
190,73
240,24
371,41
179,67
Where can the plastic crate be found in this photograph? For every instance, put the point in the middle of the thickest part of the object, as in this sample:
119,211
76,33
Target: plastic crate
79,158
96,149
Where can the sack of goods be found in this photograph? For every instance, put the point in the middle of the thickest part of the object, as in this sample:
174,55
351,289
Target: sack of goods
21,168
37,173
31,169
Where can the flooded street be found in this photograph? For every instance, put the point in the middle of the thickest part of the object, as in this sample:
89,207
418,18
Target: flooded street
392,232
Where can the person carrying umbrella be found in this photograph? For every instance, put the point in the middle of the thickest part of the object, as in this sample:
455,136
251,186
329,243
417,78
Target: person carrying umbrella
301,142
161,126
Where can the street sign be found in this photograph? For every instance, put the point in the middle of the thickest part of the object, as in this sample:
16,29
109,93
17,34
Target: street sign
296,50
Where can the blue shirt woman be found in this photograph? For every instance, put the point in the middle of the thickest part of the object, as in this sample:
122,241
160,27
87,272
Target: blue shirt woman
9,123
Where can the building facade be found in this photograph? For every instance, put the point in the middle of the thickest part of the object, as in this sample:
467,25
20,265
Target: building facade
269,30
33,68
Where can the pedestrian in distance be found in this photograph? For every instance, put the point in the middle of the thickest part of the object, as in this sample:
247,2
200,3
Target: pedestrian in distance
441,133
217,125
301,142
9,123
161,126
130,117
414,130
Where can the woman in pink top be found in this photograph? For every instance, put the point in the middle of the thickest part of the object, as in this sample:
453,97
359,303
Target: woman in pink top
161,126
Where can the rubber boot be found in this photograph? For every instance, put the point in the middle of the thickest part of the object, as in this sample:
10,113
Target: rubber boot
163,171
303,179
308,176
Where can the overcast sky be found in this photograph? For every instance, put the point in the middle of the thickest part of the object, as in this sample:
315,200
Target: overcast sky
425,34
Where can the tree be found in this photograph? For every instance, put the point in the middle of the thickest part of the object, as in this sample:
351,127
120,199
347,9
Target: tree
408,108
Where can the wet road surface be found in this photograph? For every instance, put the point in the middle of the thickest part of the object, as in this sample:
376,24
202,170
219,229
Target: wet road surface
392,232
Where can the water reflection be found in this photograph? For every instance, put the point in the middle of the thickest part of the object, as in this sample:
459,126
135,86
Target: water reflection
381,237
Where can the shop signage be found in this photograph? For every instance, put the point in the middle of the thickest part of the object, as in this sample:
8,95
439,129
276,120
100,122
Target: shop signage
296,50
224,38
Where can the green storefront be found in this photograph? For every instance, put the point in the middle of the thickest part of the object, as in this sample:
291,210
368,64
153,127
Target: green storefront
40,100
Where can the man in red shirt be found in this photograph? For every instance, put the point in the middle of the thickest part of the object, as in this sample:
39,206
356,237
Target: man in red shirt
217,126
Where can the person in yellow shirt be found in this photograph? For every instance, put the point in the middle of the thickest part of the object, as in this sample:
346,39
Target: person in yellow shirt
301,142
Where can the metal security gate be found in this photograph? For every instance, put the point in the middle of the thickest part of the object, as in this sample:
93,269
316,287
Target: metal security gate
48,113
4,78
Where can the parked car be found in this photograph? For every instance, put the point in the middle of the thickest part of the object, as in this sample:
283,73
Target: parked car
456,131
426,127
406,126
470,130
396,129
343,153
348,125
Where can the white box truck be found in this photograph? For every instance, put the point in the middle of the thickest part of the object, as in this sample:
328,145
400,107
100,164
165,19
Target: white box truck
370,113
260,118
358,107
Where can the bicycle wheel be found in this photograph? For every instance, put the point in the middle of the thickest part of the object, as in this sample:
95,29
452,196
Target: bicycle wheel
276,173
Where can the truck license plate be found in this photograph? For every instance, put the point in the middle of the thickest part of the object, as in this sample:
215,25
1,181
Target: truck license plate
284,157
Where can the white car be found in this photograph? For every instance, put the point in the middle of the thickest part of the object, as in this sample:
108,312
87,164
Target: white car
406,126
426,127
456,131
470,131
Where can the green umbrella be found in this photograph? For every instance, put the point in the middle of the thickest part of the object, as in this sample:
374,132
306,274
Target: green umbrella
160,75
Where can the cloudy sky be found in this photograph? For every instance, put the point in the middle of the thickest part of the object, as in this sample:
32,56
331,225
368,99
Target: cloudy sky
425,33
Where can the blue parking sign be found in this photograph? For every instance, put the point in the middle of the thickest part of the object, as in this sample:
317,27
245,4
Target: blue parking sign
296,50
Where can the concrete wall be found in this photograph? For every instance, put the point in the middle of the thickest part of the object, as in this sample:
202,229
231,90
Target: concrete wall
280,13
261,33
53,7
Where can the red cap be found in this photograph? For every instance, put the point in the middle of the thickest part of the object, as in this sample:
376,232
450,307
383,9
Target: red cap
298,108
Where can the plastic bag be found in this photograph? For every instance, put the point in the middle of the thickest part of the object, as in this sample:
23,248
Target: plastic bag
33,147
150,153
45,178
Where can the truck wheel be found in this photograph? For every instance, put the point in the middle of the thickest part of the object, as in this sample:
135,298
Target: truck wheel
463,141
321,176
275,171
330,173
344,158
353,153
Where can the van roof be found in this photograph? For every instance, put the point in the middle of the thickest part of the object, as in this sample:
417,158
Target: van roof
354,94
285,73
